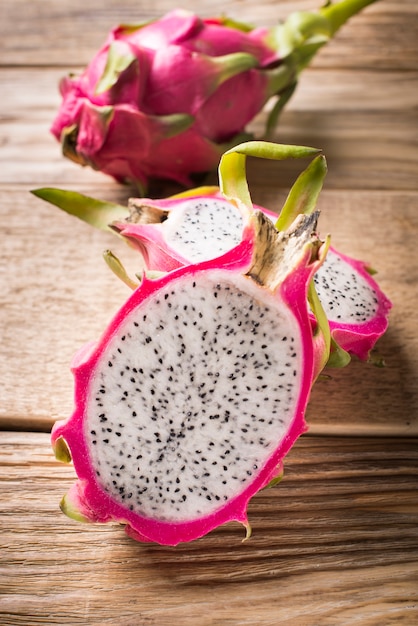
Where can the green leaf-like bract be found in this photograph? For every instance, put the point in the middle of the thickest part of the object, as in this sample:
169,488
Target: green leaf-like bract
95,212
232,167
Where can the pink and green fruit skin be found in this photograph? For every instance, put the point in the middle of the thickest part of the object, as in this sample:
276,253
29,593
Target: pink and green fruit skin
162,99
187,405
165,99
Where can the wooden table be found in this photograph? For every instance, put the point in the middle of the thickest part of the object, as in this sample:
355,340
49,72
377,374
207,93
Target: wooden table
337,541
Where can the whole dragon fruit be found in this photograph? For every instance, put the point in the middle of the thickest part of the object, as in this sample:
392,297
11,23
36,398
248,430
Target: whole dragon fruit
165,99
187,405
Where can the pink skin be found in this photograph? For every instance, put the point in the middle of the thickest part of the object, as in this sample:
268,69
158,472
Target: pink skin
130,145
131,83
69,111
210,36
180,81
194,153
170,70
226,112
212,41
114,144
88,497
149,241
176,27
128,90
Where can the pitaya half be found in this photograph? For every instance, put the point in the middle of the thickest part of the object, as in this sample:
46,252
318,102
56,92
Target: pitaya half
356,308
187,405
164,99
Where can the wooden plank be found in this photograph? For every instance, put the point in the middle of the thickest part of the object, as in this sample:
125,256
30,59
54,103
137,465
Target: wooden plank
57,294
372,39
370,140
43,266
319,89
335,543
360,153
381,228
363,150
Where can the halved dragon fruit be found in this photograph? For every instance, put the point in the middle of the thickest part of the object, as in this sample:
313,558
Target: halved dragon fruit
189,402
187,405
356,308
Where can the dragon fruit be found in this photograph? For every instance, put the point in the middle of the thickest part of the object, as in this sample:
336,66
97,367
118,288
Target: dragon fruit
179,231
187,405
165,99
356,308
189,402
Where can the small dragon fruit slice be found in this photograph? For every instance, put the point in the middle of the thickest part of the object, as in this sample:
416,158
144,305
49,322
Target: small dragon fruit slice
187,405
175,232
356,308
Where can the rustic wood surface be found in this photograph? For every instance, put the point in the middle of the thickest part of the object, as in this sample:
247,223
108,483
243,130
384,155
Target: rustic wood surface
337,541
335,544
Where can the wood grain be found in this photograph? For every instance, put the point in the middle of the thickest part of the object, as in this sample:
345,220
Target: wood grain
339,532
368,134
336,543
60,294
371,40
